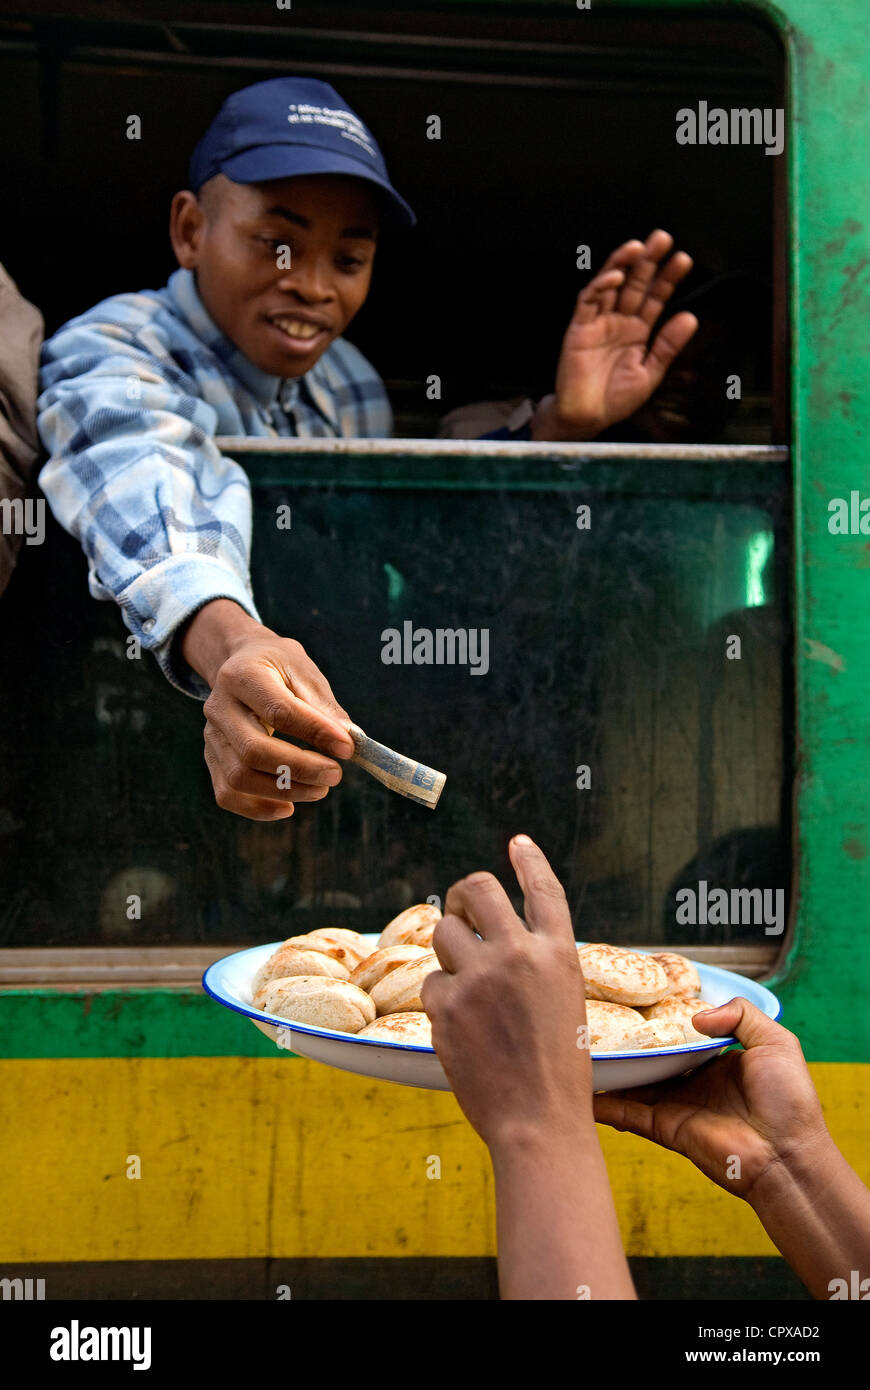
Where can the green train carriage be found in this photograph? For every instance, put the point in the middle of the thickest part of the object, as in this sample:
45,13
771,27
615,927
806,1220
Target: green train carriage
261,1171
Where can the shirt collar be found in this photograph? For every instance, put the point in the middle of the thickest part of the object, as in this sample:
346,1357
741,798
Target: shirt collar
265,389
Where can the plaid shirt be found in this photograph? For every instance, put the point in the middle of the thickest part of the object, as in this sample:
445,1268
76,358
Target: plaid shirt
133,394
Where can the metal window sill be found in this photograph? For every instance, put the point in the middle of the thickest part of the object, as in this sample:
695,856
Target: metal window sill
95,968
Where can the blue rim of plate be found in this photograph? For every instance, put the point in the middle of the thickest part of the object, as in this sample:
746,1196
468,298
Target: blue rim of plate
306,1029
276,1022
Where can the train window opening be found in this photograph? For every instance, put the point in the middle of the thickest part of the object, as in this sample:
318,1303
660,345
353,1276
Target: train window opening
653,648
550,134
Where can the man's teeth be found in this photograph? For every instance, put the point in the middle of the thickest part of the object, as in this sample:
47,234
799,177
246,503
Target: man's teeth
297,328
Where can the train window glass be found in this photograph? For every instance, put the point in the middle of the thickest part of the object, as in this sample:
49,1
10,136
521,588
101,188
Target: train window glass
651,647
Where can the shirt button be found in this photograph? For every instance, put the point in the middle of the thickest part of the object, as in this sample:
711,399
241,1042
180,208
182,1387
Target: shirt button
148,625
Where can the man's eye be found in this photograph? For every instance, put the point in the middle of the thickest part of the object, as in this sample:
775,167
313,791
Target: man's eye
272,242
350,263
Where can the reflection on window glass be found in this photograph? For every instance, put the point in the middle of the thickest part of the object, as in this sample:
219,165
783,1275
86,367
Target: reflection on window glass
607,649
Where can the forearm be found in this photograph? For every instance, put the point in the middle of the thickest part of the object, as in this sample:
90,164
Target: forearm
558,1237
816,1211
212,634
140,487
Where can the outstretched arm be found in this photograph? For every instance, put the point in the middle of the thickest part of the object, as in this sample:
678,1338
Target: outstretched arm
507,1009
558,1237
816,1210
760,1105
165,521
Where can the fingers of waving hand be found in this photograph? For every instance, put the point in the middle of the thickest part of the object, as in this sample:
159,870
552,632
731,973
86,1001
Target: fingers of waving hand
650,274
604,292
598,297
669,341
657,289
652,277
624,256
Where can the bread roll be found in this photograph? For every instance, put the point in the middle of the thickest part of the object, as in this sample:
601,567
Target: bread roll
657,1032
381,962
412,1029
622,977
611,1026
258,999
413,927
293,960
347,947
681,1010
399,991
618,1028
319,1002
681,972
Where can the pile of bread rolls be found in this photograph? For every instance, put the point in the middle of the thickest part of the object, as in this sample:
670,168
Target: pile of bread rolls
333,978
634,1001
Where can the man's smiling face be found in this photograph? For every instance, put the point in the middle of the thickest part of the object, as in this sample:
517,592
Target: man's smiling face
283,320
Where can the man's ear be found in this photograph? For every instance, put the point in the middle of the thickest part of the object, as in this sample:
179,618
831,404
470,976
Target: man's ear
186,228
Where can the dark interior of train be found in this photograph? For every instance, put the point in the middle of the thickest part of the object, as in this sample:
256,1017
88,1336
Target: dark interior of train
557,130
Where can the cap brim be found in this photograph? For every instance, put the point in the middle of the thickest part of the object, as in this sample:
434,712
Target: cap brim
292,161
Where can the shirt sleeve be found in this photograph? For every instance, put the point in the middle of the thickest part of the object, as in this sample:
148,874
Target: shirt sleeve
489,420
163,517
523,432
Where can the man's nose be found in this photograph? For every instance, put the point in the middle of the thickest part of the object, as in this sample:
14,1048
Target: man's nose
309,276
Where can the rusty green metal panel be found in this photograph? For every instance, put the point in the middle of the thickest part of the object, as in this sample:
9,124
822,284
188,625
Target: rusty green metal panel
829,205
125,1023
824,986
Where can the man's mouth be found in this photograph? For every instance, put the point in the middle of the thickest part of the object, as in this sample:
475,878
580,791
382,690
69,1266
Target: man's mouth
298,328
299,334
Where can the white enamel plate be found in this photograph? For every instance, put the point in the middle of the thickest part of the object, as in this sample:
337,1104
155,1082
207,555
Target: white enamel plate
229,982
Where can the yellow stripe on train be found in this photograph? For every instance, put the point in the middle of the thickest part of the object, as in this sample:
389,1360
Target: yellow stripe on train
252,1157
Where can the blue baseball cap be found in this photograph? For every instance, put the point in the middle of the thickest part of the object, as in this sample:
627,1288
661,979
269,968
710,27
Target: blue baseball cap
290,126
